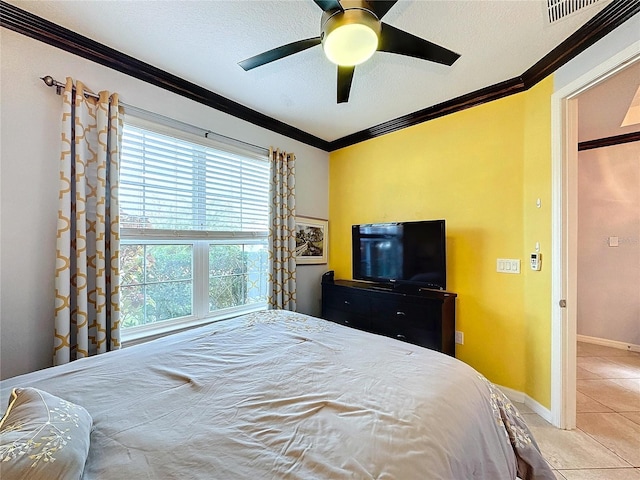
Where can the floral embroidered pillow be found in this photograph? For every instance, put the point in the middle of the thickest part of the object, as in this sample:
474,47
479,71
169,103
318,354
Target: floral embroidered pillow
43,437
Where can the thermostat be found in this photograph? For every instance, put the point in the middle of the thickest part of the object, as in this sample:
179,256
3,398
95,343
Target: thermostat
536,259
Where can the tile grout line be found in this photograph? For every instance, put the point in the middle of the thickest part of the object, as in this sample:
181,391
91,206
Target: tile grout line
605,365
604,446
614,410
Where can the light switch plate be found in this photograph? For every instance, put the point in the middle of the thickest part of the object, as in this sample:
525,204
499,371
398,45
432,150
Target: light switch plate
508,265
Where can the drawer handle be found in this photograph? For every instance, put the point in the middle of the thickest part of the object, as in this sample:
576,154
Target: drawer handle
347,302
400,314
401,337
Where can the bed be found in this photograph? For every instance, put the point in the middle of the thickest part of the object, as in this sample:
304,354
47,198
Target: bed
273,395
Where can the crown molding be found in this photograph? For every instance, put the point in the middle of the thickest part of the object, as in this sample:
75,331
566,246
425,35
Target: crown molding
609,141
608,19
494,92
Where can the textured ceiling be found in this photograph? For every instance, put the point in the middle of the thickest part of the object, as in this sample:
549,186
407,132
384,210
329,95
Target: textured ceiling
202,42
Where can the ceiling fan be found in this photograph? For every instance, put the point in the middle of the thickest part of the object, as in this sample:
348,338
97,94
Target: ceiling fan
350,32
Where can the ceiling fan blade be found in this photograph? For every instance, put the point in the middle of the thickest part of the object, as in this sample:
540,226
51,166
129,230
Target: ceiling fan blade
327,5
394,40
381,7
278,53
345,76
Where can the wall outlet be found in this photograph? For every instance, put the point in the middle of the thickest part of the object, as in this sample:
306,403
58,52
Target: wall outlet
459,337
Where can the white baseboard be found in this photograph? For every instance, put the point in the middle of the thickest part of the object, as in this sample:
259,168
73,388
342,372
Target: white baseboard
609,343
521,397
514,395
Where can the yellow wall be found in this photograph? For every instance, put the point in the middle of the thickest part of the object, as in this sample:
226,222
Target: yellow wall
537,228
478,169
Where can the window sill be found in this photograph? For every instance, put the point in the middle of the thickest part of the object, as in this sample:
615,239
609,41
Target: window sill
135,337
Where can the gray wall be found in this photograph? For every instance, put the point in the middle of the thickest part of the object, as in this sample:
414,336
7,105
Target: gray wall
29,149
609,276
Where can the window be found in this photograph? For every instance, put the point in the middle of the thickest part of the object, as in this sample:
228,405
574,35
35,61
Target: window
194,222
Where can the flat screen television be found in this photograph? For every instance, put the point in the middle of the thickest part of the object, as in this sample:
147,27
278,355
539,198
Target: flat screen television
401,253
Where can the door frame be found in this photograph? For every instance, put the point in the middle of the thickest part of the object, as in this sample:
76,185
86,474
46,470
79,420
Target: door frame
564,228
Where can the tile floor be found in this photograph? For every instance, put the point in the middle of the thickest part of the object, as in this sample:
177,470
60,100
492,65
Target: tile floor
606,442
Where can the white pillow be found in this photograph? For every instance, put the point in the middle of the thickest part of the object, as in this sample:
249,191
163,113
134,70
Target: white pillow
43,437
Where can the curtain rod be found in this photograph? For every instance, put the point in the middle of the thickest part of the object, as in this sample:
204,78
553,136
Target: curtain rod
52,82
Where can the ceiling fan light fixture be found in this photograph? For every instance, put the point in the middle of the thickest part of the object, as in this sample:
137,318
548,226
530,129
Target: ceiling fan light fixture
350,37
350,32
350,45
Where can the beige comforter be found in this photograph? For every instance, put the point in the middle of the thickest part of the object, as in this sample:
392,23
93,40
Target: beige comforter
281,395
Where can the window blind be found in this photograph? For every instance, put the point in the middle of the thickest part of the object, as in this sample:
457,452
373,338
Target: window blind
167,183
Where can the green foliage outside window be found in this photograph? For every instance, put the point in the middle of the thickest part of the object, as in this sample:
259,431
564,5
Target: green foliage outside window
237,275
157,280
156,283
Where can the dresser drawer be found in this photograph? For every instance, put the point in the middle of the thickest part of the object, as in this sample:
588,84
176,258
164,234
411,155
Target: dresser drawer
416,332
409,321
347,318
398,309
347,302
401,309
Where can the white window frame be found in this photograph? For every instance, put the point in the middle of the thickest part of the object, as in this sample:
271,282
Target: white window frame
200,241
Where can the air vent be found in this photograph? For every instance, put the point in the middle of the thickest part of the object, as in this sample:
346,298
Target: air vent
558,9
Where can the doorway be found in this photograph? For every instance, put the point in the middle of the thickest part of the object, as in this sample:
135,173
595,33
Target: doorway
564,125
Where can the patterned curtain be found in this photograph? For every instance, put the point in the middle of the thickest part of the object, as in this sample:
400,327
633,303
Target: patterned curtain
87,278
282,231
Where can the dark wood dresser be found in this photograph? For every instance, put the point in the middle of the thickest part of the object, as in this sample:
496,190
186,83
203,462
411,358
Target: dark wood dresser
412,314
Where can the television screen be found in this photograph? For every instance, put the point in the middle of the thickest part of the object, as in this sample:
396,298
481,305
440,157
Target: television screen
405,252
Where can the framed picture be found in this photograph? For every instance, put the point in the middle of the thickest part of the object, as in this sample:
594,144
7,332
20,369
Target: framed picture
311,240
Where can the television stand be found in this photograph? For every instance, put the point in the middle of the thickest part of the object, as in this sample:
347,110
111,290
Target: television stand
418,315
